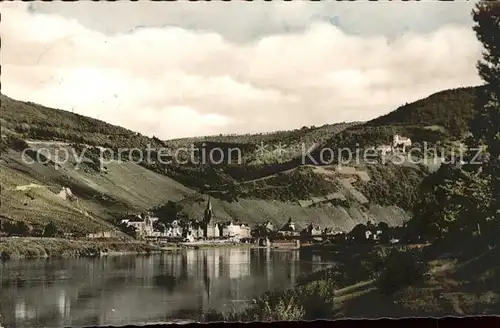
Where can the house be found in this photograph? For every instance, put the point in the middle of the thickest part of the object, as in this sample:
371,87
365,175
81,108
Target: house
213,230
373,235
192,230
264,229
316,231
368,234
176,229
398,140
103,234
173,230
269,226
66,194
333,231
143,224
311,231
288,229
239,230
245,231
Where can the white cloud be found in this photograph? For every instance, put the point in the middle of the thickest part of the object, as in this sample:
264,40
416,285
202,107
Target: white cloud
174,82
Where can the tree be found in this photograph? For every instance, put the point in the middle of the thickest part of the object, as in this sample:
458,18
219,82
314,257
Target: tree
382,226
461,197
169,212
485,125
452,199
21,228
128,229
400,269
359,232
50,230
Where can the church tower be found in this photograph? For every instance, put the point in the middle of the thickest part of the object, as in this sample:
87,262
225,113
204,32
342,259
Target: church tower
207,217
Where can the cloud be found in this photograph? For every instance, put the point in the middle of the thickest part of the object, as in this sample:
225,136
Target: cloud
174,82
240,22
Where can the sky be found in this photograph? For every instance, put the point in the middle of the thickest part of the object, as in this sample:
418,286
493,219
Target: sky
179,69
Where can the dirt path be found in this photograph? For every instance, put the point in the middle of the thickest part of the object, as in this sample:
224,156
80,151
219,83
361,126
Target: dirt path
449,286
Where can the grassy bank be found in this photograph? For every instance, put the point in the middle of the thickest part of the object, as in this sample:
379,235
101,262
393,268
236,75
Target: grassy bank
26,248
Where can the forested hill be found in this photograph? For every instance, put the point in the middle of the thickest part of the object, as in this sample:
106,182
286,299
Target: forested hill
449,109
33,121
274,184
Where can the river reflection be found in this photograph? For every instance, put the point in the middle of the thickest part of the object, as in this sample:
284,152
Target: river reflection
123,290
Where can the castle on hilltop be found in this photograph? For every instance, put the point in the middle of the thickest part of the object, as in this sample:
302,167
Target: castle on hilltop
397,142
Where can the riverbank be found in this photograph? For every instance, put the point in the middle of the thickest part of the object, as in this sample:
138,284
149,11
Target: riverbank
29,248
202,245
392,282
37,247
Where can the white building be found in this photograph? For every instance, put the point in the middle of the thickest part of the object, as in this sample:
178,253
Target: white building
236,230
288,229
398,140
174,230
143,226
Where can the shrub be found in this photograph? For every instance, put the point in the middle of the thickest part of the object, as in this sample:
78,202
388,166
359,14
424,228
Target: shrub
401,269
14,143
19,228
50,230
306,302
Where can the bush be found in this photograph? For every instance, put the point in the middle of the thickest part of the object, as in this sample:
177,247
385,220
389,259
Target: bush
50,230
312,301
19,228
14,143
401,269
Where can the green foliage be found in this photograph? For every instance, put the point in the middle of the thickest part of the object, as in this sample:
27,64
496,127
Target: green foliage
452,199
401,269
51,230
210,179
34,121
311,301
301,183
169,212
461,198
13,142
485,125
359,232
16,228
361,137
451,109
393,184
304,135
127,229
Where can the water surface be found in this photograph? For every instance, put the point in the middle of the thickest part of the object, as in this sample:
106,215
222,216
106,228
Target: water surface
120,290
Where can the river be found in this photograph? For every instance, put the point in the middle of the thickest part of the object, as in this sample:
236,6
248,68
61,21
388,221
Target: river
120,290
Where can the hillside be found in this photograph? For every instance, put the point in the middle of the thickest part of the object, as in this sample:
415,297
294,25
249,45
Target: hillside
273,186
253,211
450,110
32,192
440,121
33,121
307,135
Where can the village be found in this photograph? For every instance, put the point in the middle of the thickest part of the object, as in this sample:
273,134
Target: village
207,232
